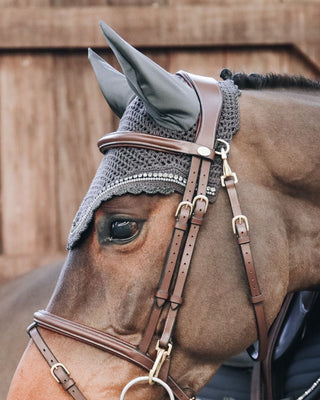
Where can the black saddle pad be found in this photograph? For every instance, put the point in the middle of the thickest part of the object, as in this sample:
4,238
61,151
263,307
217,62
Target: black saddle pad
304,363
297,371
229,383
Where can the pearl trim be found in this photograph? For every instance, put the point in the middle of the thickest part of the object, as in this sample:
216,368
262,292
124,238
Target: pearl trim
142,177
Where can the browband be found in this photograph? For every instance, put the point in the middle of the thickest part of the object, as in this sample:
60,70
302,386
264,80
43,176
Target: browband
151,142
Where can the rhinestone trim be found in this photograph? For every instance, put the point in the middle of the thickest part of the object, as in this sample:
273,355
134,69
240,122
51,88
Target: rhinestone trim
164,177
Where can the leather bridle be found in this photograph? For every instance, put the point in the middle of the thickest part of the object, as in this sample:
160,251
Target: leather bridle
189,217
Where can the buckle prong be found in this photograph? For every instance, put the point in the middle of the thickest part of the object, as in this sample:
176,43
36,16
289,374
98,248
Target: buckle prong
184,204
54,367
240,218
201,197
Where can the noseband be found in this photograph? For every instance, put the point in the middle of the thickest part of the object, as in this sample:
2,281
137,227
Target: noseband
189,216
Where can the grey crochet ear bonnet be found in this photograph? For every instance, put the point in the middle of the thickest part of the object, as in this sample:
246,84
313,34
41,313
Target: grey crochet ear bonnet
136,170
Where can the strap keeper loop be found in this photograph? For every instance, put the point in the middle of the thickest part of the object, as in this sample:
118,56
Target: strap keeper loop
244,239
162,294
176,299
257,299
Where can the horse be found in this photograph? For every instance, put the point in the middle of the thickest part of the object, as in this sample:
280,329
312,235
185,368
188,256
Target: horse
168,336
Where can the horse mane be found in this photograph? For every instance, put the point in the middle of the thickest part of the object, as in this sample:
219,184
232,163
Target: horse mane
259,81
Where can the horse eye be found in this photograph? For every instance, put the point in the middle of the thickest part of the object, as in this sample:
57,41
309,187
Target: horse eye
123,230
118,230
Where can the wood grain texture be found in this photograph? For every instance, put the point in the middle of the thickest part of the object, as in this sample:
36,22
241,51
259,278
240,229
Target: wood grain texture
246,59
187,25
27,155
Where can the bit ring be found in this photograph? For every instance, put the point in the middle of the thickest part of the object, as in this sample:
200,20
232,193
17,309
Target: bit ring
146,379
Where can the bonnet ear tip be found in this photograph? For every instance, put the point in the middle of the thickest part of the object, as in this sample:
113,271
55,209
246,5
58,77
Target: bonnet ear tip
106,30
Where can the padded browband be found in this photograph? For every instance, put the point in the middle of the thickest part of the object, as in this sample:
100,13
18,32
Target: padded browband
151,142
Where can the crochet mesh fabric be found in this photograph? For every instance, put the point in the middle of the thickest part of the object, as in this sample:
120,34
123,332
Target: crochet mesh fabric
132,170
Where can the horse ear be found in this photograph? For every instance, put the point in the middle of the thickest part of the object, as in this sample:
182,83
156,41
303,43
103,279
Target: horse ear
113,84
169,101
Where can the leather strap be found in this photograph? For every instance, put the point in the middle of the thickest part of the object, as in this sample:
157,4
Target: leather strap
242,232
151,142
93,337
210,98
181,226
262,385
58,370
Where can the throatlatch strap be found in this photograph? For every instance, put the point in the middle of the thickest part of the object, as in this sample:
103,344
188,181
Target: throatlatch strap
241,228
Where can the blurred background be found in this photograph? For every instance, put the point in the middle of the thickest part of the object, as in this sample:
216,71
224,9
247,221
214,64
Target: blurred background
52,112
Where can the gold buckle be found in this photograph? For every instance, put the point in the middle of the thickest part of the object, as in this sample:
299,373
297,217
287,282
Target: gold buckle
240,218
160,359
182,204
54,367
227,173
201,197
231,174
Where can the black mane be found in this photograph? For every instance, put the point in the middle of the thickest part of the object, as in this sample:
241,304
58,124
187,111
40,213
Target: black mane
258,81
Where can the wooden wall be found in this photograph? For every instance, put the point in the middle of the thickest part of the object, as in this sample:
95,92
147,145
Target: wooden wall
52,112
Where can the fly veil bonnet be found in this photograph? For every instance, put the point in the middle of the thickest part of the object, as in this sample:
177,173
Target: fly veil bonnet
150,100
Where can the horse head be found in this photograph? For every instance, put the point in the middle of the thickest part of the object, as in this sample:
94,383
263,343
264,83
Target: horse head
122,237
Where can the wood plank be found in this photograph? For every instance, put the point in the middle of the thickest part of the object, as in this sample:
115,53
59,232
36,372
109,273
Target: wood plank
82,117
223,2
24,3
78,3
259,59
158,26
27,155
195,25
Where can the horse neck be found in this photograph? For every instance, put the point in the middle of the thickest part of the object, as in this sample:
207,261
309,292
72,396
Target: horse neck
277,149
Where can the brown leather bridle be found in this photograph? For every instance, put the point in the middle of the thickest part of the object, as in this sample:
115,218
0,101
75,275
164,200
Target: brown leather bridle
189,217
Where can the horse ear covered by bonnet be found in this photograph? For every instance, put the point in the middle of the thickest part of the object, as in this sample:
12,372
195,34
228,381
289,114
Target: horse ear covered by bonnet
149,100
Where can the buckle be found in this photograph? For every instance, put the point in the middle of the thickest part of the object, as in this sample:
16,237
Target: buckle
201,197
223,150
240,218
54,367
227,172
184,204
230,174
162,355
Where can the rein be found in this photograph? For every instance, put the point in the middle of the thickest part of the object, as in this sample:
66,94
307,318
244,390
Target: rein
189,216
